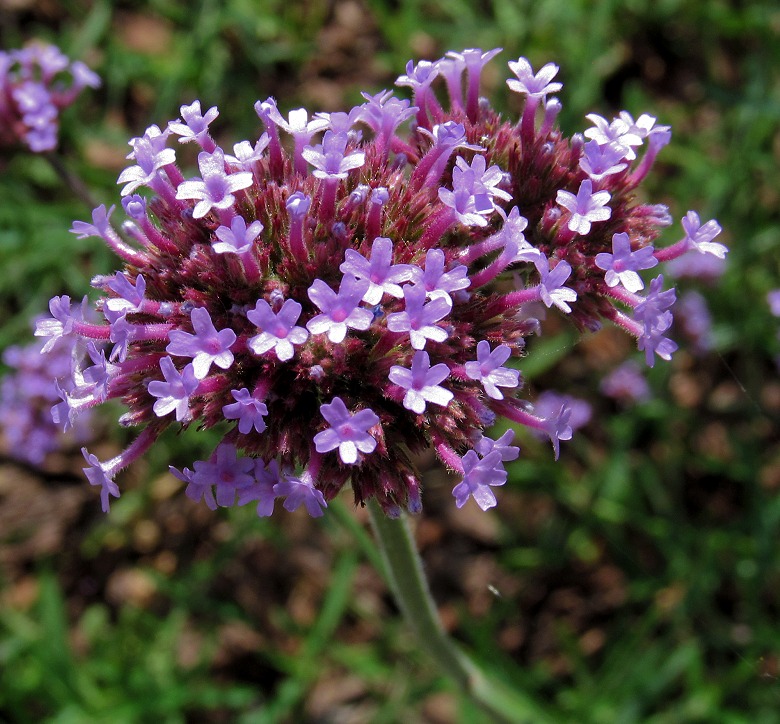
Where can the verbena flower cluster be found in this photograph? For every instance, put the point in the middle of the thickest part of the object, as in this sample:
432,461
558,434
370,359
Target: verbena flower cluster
28,392
342,294
36,83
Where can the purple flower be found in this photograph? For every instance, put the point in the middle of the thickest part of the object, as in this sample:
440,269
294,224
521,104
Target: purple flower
174,393
488,370
700,236
248,410
297,123
299,491
97,475
421,383
549,403
266,478
623,264
419,319
383,113
602,159
436,282
339,311
586,207
696,321
485,445
773,300
347,432
100,373
150,157
134,206
551,289
656,319
227,472
207,346
556,423
278,330
196,490
534,85
195,126
473,191
330,159
239,238
245,155
626,383
131,296
216,187
478,477
418,77
383,276
99,226
617,133
61,322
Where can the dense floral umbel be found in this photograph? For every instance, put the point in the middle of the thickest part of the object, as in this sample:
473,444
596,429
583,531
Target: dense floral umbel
36,83
343,299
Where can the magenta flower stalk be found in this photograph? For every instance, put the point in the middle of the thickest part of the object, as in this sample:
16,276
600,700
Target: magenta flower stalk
338,293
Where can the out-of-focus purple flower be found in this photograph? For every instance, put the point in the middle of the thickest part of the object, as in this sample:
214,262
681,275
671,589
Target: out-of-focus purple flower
228,472
36,84
299,491
773,300
35,384
692,265
693,316
626,384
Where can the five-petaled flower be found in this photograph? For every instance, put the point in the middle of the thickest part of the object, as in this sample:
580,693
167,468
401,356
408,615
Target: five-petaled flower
348,432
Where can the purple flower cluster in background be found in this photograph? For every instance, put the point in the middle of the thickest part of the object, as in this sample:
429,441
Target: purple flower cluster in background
36,83
30,393
340,292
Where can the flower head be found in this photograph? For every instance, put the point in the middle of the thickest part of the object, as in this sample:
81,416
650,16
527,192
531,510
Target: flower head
37,83
337,306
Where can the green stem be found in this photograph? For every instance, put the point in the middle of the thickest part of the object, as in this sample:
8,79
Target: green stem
73,182
404,574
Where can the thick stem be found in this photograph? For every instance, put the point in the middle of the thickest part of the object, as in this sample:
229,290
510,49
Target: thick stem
404,573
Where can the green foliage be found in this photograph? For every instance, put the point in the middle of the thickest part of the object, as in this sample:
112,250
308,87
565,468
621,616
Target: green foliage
671,507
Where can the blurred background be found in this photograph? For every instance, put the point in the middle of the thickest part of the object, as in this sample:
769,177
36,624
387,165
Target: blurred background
637,579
